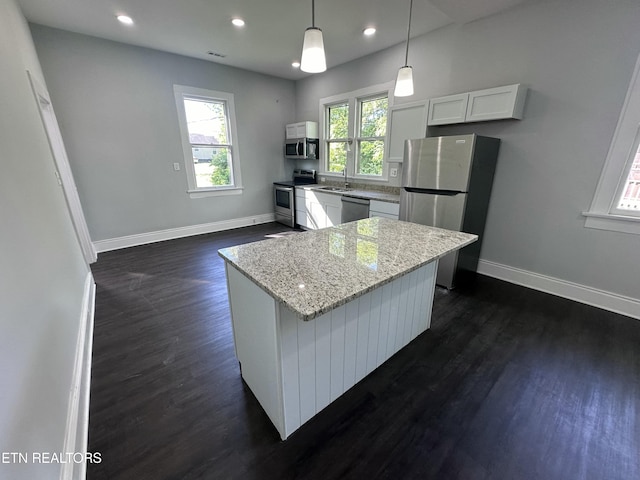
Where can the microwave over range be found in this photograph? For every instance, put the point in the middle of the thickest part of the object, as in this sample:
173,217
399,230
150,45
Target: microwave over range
301,148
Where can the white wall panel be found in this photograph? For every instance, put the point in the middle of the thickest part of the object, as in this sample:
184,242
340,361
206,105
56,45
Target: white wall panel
322,358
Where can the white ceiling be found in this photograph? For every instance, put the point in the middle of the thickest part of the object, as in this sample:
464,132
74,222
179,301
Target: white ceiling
272,36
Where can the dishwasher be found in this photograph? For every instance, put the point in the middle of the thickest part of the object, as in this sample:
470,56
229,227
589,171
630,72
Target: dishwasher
354,209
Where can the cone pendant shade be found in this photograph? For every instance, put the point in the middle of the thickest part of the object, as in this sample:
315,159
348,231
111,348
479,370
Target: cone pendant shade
404,82
313,59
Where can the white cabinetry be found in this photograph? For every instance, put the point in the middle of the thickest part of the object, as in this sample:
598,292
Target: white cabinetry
481,105
317,210
302,130
405,122
384,209
302,217
448,110
496,103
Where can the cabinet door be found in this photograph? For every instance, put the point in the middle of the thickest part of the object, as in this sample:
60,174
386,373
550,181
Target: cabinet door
301,217
302,130
405,122
384,209
316,215
496,103
333,215
448,110
331,209
292,131
309,129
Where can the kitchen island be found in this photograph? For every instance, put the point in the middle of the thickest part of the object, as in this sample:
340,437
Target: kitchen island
315,312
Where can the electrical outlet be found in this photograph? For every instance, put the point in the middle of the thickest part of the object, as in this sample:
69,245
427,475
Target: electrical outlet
393,172
176,167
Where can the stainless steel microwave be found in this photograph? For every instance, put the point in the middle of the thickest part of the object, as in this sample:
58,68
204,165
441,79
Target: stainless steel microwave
301,148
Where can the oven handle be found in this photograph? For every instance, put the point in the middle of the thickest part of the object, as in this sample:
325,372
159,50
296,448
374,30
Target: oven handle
284,189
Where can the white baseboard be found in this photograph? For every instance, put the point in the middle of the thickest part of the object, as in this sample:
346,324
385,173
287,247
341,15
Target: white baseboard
77,428
172,233
581,293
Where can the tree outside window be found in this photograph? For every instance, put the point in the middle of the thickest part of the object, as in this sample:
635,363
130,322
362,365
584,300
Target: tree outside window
338,137
373,129
355,132
208,135
206,119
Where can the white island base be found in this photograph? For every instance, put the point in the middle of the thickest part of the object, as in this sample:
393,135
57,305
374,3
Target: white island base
295,368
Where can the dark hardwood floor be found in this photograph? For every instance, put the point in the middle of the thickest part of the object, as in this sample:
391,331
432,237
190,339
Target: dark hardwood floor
508,383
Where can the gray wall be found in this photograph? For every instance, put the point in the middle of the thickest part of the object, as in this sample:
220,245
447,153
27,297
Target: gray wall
42,268
117,114
577,57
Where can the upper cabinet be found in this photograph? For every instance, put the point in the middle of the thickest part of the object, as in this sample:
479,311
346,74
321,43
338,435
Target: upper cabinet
448,110
490,104
405,121
302,130
496,103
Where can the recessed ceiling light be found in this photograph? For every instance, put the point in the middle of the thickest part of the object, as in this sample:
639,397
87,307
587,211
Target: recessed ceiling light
238,22
369,31
125,19
295,64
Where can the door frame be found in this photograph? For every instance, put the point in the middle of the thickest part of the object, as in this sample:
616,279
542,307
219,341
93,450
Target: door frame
63,169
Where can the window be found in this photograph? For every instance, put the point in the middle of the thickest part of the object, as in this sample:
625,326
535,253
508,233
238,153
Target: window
616,203
355,133
337,137
372,129
207,127
629,193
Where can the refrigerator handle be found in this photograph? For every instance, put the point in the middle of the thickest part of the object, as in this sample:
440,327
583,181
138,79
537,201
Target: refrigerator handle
433,191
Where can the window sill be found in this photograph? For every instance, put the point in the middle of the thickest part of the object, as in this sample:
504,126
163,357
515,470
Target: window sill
614,223
214,192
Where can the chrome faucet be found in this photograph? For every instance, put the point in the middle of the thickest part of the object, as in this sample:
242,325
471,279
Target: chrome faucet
346,183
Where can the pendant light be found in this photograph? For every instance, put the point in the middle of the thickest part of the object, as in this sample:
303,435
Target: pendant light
313,59
404,82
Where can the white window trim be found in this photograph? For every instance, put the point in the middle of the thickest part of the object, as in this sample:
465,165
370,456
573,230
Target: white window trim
352,98
179,92
602,213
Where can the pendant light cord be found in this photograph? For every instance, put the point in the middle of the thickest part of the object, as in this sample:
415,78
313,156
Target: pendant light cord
406,55
313,13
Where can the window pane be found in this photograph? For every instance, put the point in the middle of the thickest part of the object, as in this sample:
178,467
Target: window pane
337,156
370,154
373,117
212,166
630,198
206,121
338,121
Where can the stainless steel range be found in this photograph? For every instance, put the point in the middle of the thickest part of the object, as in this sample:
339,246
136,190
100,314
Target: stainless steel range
284,195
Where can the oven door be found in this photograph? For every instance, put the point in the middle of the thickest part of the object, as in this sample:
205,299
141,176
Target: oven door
294,149
284,207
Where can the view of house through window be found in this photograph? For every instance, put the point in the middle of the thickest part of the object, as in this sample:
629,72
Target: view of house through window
630,196
208,127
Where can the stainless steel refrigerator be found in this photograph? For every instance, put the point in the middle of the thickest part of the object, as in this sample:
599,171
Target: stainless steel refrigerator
446,182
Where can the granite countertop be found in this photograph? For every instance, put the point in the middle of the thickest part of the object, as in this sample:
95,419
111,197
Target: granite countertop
356,192
315,271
